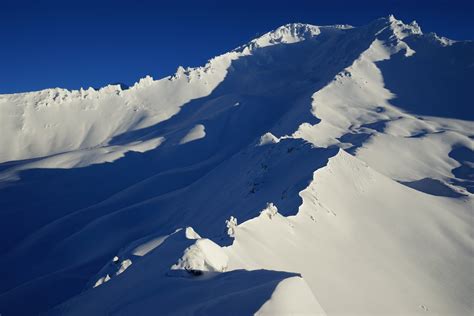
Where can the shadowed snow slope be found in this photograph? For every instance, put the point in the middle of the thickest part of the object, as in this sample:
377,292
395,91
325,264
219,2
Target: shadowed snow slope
321,170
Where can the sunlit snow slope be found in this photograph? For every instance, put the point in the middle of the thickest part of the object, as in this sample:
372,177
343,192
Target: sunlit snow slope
316,170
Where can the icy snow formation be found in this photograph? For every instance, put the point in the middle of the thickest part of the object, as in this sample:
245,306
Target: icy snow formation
346,153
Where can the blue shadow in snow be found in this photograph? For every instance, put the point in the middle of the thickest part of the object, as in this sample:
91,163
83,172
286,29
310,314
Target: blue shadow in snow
68,219
424,82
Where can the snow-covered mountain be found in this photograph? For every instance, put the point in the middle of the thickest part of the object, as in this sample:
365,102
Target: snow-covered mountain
322,170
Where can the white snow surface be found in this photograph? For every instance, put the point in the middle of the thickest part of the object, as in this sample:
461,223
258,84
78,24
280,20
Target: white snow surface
203,255
346,154
300,302
195,133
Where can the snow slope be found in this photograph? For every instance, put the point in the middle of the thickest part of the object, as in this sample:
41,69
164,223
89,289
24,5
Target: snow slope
324,170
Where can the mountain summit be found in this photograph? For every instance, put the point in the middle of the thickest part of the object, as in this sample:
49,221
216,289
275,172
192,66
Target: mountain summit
319,170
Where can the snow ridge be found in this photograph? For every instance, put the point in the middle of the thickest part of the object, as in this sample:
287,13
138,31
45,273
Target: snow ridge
313,161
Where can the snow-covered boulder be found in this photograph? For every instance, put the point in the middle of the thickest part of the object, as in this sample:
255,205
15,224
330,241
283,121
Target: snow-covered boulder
204,255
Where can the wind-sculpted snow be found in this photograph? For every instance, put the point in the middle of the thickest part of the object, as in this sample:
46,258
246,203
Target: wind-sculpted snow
319,170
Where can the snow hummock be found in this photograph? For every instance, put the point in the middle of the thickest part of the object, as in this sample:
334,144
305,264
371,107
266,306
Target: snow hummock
203,255
268,138
190,233
197,132
270,211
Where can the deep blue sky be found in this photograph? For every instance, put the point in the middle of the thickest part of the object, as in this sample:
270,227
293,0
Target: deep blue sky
71,44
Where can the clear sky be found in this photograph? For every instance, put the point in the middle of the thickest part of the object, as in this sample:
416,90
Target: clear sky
73,44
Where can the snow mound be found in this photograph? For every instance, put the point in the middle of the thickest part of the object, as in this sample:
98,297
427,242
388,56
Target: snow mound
203,255
270,211
190,233
268,138
197,132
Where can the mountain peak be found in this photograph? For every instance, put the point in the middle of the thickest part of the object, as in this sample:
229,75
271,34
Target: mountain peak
287,34
309,135
392,18
403,30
